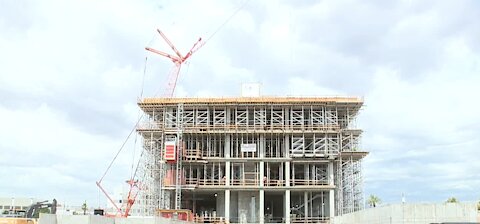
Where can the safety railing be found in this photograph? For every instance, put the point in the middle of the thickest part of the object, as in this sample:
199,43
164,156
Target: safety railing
210,219
192,154
297,182
274,183
245,182
238,127
309,219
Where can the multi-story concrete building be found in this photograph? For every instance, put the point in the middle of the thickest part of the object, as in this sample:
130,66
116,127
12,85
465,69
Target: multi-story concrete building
255,159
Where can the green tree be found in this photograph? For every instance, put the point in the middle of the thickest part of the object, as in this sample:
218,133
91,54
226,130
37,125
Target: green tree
373,200
84,207
452,200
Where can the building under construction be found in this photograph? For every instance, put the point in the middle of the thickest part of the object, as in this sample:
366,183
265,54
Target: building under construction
252,159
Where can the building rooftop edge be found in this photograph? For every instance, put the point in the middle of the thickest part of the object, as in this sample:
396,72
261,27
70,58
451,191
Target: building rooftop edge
335,99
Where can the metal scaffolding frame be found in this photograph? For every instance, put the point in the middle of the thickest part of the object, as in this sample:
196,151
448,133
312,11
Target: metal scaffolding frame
309,144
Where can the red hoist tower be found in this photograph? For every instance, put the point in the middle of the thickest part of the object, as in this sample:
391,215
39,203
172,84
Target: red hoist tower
173,147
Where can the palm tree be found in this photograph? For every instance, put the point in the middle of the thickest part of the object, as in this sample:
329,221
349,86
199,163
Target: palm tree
373,201
84,207
452,200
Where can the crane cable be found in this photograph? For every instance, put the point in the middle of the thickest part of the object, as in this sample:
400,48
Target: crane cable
226,21
133,129
133,174
143,78
141,94
121,148
207,40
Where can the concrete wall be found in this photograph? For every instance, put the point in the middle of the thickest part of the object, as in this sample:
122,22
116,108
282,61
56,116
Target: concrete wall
233,204
47,219
412,214
244,207
220,211
74,219
148,220
90,219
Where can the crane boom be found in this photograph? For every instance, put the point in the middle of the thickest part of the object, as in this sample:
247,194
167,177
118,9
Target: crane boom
178,60
170,43
175,59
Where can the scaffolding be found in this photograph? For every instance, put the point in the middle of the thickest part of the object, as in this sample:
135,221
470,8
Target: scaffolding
305,149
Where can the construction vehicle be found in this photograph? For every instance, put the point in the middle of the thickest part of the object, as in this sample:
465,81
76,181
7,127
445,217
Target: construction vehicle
30,215
34,210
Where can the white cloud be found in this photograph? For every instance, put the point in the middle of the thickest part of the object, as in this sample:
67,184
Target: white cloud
71,72
425,129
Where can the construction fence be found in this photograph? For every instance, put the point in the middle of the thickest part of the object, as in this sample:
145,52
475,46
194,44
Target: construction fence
413,213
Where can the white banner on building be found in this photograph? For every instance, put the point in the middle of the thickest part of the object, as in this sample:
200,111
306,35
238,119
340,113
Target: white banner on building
248,148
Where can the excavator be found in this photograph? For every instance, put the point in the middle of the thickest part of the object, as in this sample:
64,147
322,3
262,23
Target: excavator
35,208
30,215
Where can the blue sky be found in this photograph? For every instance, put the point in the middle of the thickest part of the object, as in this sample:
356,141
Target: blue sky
71,73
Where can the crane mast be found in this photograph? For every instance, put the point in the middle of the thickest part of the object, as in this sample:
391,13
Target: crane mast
178,60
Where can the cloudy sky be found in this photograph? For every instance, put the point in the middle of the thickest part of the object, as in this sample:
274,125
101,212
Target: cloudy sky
71,73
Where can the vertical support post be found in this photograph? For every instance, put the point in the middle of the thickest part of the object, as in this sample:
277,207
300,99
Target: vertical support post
261,147
262,174
306,207
262,206
227,157
227,206
262,178
287,206
330,173
286,142
179,173
331,203
227,177
331,195
287,173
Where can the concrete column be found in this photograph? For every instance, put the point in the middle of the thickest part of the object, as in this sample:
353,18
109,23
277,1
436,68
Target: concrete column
261,147
227,163
227,205
262,174
262,206
227,173
287,174
227,146
331,180
331,203
287,206
228,117
286,142
305,199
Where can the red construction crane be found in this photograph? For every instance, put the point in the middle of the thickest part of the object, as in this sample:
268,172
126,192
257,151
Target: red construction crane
134,186
178,59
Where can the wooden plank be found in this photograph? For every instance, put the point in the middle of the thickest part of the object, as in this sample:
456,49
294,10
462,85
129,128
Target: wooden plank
263,100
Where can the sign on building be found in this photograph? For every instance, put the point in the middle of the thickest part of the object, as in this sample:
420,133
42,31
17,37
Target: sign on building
248,148
170,152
